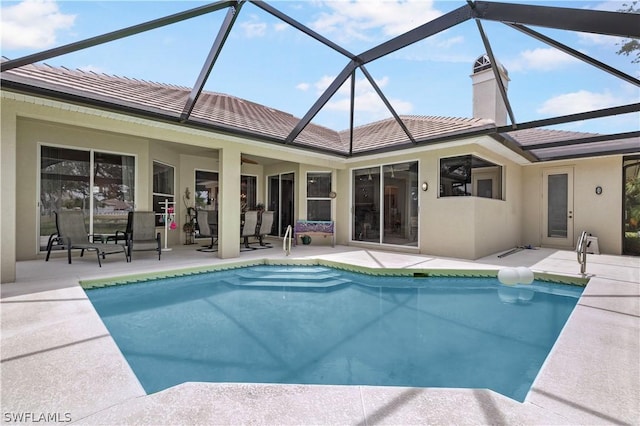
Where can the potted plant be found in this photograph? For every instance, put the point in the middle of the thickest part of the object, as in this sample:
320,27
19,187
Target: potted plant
188,228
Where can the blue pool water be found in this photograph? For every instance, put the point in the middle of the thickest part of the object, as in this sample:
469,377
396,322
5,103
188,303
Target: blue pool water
316,325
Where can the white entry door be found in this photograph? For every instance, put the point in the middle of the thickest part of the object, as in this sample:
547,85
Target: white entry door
557,207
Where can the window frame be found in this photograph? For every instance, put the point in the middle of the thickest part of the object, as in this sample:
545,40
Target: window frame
327,198
171,197
495,172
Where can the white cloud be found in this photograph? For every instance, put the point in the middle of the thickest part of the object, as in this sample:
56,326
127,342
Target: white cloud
580,101
303,86
33,24
368,105
254,27
282,26
357,19
322,84
588,39
541,59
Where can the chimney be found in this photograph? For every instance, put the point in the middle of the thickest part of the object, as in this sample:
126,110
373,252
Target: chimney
487,101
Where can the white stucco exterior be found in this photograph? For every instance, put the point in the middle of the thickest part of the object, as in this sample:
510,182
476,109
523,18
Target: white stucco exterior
462,227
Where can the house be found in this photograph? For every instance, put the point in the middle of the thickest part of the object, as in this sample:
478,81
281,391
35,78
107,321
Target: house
446,186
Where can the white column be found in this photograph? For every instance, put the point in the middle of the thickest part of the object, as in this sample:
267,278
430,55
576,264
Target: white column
8,145
229,202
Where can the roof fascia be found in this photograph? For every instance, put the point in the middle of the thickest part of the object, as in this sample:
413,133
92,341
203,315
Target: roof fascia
511,144
581,56
216,48
80,97
585,140
107,104
604,153
115,35
481,131
589,21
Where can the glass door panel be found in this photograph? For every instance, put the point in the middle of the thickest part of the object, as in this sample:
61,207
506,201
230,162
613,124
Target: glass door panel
400,212
558,207
366,205
64,184
281,201
206,190
287,206
631,208
113,192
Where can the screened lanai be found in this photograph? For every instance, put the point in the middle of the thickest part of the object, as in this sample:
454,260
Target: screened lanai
436,127
317,124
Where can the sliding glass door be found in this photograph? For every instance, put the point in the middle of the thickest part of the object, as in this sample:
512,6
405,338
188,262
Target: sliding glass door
385,204
99,184
281,201
631,206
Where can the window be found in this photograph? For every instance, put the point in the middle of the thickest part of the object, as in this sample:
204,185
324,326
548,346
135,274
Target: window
163,189
469,175
318,199
248,192
206,194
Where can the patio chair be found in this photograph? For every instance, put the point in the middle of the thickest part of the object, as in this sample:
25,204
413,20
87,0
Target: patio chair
143,235
208,225
74,236
265,227
249,226
54,239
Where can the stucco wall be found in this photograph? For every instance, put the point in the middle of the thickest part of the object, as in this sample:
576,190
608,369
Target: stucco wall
600,215
31,134
465,227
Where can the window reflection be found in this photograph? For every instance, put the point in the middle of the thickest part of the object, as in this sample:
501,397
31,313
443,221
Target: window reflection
469,175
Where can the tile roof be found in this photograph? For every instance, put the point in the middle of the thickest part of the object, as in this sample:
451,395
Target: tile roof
229,112
569,144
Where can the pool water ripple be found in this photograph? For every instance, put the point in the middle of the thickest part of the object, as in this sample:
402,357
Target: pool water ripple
318,325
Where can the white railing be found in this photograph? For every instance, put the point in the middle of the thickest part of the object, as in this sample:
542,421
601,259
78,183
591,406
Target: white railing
581,251
286,241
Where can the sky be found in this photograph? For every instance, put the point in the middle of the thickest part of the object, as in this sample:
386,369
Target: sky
265,60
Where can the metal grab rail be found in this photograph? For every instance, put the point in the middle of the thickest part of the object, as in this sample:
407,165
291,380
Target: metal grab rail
581,251
287,247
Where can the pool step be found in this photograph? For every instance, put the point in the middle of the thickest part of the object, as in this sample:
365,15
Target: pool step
288,277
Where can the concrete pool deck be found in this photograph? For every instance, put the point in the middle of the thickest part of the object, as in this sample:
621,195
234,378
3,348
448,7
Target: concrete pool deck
59,363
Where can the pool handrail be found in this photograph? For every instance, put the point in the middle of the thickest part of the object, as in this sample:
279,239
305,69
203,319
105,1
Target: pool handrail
581,251
287,247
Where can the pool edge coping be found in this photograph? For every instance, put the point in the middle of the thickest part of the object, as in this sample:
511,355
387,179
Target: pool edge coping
580,281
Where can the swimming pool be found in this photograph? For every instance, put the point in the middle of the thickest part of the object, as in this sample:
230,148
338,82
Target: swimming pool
318,325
